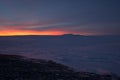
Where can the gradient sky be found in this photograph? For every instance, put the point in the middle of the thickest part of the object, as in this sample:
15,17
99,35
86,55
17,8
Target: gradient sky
56,17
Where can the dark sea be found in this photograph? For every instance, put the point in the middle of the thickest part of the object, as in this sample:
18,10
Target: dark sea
100,54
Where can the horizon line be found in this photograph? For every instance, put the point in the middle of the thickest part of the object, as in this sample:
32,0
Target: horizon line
60,35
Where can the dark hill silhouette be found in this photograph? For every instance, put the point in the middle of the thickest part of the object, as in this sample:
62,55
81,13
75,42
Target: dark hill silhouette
13,67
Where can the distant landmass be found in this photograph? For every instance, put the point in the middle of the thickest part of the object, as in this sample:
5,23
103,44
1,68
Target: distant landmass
14,67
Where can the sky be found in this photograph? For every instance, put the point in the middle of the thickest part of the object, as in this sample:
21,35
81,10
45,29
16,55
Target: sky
57,17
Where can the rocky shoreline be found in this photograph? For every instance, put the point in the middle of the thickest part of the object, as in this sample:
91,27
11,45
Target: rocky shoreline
13,67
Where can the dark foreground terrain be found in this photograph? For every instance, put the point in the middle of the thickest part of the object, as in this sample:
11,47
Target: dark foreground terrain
14,67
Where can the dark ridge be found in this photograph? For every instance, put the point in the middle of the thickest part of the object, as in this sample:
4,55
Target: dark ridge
64,36
13,67
69,35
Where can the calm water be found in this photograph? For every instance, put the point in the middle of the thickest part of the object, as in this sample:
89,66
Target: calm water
95,54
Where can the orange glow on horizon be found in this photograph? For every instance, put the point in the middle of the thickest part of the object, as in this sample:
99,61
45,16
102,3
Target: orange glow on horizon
29,32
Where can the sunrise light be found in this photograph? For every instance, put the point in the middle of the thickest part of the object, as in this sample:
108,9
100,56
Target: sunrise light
28,32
